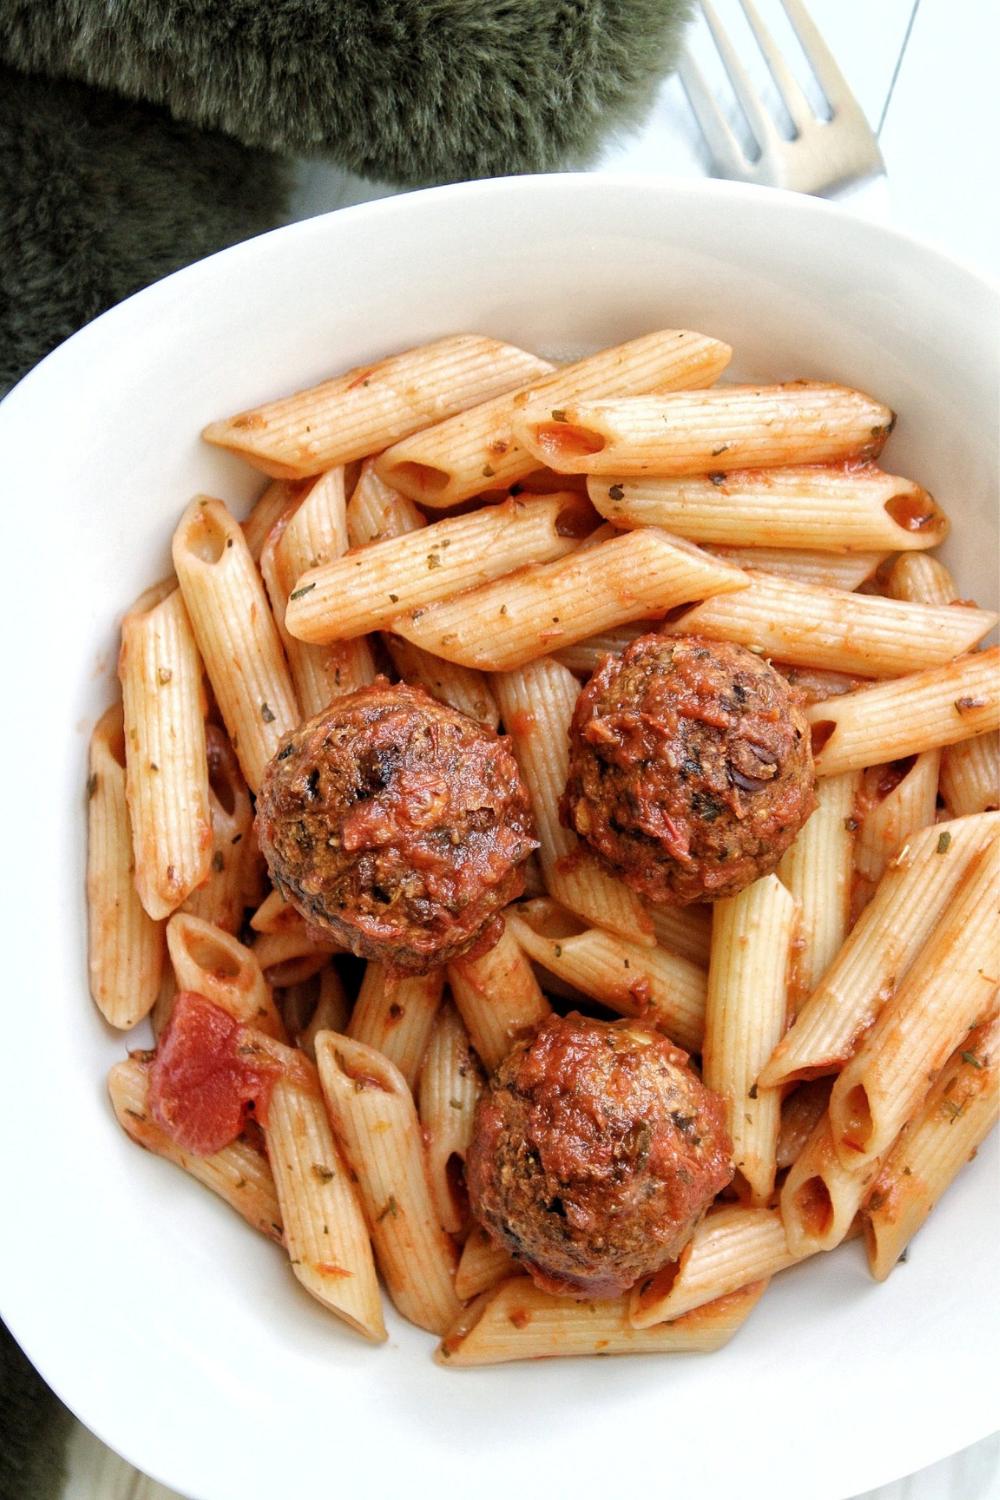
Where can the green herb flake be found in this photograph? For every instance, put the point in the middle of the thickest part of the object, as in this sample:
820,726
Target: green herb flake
218,862
163,674
971,1059
488,472
301,593
616,492
91,784
394,598
753,1092
266,714
559,416
433,561
321,1172
944,840
390,1208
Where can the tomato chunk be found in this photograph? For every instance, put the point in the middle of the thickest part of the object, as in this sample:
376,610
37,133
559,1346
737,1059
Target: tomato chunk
207,1075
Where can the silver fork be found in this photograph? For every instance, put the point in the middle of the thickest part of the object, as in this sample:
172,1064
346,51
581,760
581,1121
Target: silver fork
824,155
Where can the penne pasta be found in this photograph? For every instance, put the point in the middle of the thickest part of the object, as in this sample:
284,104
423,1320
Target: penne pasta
215,964
690,432
396,1016
166,767
745,1005
376,511
970,775
536,706
517,1321
801,1111
948,989
684,930
365,410
513,620
584,657
235,869
817,869
324,1227
831,570
307,536
882,945
451,1082
232,623
498,997
647,982
481,1265
276,499
127,947
915,713
731,1248
923,580
369,588
463,688
373,1114
332,1012
954,1120
847,507
819,627
821,1196
459,458
911,804
240,1173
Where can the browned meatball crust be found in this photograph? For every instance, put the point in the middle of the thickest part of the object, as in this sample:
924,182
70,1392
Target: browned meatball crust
690,767
398,824
596,1150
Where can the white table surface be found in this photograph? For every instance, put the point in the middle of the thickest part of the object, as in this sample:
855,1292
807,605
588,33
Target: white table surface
924,71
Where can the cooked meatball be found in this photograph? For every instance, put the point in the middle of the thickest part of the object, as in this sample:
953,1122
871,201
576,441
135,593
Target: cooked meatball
595,1151
398,824
690,767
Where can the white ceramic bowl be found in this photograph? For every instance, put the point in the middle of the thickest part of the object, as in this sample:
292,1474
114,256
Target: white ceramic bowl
164,1322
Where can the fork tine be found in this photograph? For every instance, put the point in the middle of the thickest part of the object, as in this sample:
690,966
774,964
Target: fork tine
758,119
798,106
726,151
821,59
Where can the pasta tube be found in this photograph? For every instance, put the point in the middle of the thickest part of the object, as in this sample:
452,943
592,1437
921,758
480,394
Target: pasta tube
479,450
365,410
166,766
233,625
956,1117
396,1016
517,1321
451,1081
691,432
882,945
513,620
745,1007
914,713
240,1173
819,627
632,981
536,705
368,588
848,507
731,1248
215,964
126,945
374,1117
498,997
325,1231
948,989
313,533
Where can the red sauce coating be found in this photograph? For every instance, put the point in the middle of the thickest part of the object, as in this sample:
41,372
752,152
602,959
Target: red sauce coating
206,1075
